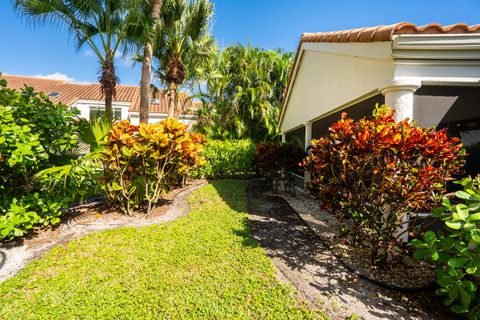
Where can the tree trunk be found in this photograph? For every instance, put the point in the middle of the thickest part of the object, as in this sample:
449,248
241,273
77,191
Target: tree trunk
175,106
108,104
147,68
172,91
108,82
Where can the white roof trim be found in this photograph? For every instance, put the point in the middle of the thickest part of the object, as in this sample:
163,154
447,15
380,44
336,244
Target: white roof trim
437,46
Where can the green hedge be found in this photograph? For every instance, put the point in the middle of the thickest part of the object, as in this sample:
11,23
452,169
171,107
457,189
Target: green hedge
228,159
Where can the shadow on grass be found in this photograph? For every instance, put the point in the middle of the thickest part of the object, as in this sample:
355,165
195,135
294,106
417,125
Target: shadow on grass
234,193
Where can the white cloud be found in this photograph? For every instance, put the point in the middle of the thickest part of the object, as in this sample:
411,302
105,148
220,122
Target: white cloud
56,76
88,52
59,76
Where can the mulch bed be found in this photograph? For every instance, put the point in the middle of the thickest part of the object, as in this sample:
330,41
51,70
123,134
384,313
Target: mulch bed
97,211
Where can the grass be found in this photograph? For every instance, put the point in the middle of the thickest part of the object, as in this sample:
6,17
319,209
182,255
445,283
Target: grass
205,265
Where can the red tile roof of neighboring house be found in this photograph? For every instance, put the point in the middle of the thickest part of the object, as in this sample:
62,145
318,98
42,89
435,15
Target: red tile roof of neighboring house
386,33
69,93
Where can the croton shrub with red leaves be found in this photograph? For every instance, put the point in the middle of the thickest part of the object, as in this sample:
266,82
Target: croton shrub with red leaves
143,162
275,161
371,173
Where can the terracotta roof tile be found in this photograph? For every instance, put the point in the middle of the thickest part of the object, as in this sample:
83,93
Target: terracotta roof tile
69,93
386,33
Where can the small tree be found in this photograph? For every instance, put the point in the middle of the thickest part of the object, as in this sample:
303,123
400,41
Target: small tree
184,45
373,173
101,25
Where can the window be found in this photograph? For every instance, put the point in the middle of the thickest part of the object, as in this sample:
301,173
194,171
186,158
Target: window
53,94
98,111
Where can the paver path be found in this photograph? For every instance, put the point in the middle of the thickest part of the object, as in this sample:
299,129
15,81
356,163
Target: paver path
15,256
317,275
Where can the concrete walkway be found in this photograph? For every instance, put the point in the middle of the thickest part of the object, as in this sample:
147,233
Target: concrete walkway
319,277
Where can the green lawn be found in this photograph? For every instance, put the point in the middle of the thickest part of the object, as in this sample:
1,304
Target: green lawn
205,265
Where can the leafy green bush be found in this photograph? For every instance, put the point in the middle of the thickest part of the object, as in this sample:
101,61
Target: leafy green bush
16,220
74,182
143,162
34,133
372,173
228,159
456,250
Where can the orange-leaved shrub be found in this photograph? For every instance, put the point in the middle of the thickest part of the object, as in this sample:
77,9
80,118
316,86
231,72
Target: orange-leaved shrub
372,173
143,162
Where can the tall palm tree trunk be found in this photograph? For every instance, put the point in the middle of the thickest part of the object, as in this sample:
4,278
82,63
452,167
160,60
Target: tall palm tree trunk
172,92
147,68
108,82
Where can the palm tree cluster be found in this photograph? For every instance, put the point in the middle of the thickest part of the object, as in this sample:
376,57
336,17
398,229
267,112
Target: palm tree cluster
240,87
174,32
242,94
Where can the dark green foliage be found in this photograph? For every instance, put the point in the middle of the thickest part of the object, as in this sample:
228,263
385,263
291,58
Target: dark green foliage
34,134
243,92
228,159
456,250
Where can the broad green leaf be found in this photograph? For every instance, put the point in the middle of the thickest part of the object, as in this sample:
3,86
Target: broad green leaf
462,211
474,217
429,237
420,254
464,296
457,262
464,195
454,224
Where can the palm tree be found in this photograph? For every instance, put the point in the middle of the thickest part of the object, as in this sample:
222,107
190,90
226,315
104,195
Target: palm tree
242,94
185,44
147,62
99,24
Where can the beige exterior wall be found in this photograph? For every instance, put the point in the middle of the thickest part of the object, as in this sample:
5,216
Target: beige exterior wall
325,81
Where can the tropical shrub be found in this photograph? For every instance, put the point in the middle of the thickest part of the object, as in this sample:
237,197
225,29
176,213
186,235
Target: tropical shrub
76,181
16,220
228,159
456,250
143,162
275,162
372,173
34,133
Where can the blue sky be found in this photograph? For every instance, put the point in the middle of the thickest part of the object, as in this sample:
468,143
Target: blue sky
44,50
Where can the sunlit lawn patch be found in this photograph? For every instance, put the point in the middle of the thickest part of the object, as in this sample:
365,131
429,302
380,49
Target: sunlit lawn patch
205,265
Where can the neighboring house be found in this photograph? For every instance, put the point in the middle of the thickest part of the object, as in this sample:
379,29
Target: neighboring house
430,74
89,100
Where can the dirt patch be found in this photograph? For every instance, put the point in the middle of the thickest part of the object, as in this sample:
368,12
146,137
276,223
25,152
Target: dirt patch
303,260
86,219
